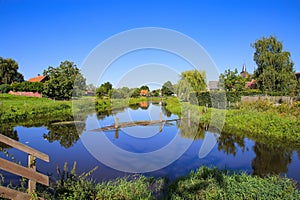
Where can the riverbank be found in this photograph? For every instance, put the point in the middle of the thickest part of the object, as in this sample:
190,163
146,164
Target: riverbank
204,183
260,120
277,124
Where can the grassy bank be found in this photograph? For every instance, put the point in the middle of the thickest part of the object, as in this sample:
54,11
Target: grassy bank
20,108
267,122
204,183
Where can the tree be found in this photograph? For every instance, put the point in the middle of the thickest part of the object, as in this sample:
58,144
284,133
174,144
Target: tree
9,71
191,81
298,87
231,80
144,87
275,72
167,89
135,92
196,79
155,93
104,90
91,87
64,81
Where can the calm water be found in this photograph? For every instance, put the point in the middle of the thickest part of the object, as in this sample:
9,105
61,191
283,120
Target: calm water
63,144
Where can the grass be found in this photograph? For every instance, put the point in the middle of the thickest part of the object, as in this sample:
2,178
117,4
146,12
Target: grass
18,109
21,109
204,183
260,120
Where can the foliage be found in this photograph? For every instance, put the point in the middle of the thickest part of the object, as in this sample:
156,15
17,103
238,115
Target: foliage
275,70
144,87
64,81
268,123
155,93
104,90
120,93
167,89
231,80
27,87
30,110
5,88
9,71
136,92
73,186
191,81
206,183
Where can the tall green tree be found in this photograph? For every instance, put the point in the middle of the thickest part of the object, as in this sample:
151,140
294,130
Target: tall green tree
64,81
167,89
275,70
232,81
191,81
9,71
144,87
104,90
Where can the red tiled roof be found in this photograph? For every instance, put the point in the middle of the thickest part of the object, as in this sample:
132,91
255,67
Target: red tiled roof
37,79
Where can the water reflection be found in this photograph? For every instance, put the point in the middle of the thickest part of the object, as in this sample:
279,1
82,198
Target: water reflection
9,132
66,134
230,143
270,159
232,151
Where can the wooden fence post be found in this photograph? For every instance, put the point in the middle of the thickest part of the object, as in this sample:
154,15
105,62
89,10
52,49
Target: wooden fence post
31,165
116,123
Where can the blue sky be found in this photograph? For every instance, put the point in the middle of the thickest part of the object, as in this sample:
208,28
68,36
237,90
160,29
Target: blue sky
38,34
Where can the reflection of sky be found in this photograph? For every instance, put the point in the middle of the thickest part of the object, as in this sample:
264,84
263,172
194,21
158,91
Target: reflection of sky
33,137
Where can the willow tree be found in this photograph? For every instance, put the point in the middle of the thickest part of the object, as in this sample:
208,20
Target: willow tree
275,70
191,81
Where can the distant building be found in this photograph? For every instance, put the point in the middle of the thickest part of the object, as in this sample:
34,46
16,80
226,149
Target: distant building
213,85
244,72
144,93
297,75
251,84
41,79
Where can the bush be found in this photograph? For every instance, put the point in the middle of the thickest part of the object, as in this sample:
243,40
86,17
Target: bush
27,87
5,88
208,183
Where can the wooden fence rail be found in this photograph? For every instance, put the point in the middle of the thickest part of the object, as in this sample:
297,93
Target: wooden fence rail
28,172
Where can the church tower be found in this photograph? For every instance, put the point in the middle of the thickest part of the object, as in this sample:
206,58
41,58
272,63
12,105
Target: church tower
244,72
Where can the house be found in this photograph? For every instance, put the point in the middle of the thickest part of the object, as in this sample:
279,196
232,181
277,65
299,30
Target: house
297,75
213,85
251,84
41,79
144,93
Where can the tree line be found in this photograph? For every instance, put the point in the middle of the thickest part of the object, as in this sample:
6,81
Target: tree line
274,74
63,81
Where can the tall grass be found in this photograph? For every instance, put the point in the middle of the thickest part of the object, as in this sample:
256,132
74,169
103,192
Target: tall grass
204,183
260,120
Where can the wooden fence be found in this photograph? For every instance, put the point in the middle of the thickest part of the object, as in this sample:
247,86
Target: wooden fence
28,172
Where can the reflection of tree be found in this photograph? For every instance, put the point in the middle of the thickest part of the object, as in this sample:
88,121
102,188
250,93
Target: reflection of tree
66,134
165,111
134,106
102,114
9,132
227,143
191,130
270,159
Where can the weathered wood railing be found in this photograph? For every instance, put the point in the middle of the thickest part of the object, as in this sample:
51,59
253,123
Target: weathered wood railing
28,172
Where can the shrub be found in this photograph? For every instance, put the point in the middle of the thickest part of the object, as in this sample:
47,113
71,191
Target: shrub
5,88
27,86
